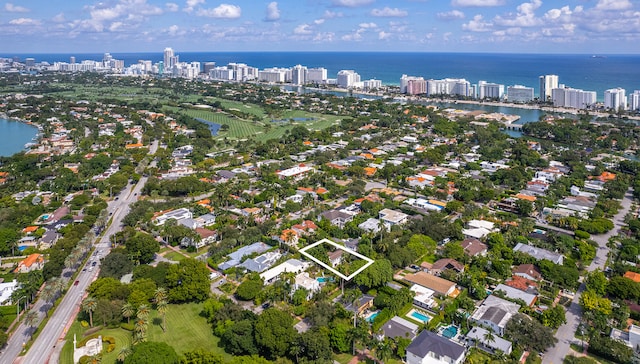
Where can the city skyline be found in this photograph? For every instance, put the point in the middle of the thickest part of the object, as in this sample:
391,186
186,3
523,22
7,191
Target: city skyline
535,26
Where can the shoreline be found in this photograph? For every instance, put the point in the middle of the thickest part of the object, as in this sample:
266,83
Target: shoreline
413,98
35,139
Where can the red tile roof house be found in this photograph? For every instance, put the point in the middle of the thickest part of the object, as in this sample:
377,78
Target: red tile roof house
30,263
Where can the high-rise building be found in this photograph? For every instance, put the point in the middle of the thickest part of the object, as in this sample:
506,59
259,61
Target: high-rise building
615,99
273,75
489,90
634,101
519,93
299,75
347,78
449,86
404,82
573,98
170,60
72,60
371,84
317,75
208,66
416,87
30,62
547,83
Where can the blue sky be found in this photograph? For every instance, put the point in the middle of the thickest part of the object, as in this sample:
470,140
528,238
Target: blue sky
533,26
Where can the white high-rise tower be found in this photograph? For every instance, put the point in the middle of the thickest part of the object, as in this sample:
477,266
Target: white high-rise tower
615,99
170,59
547,83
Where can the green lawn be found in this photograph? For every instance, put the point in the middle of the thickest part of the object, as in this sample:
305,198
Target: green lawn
248,108
186,331
175,256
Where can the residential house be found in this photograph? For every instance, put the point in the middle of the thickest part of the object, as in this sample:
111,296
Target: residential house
335,257
6,290
303,281
337,217
632,276
422,296
516,294
431,348
206,220
362,303
262,262
290,266
528,271
179,214
439,285
479,337
371,225
446,263
398,327
30,263
305,228
207,237
473,247
392,217
49,239
296,173
236,257
494,313
539,253
630,338
289,237
478,229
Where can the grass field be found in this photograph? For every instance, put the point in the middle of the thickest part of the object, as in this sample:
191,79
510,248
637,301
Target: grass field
248,108
186,331
175,256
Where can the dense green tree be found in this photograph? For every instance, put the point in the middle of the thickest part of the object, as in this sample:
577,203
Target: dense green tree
142,248
152,352
239,338
200,356
188,281
623,288
249,289
115,265
554,317
315,345
597,282
274,332
377,274
529,333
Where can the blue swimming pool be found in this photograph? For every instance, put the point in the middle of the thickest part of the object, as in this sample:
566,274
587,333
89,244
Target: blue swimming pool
450,332
22,248
420,316
372,317
322,279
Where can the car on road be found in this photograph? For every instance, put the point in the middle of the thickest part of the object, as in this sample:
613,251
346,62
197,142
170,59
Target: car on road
94,264
76,283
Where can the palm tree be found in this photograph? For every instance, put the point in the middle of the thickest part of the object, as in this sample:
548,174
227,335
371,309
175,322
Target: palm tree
95,359
128,311
162,307
89,305
160,297
489,337
30,319
143,312
124,353
140,330
48,294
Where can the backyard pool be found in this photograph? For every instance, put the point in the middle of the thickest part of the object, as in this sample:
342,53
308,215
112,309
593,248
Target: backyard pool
450,332
419,316
324,279
372,317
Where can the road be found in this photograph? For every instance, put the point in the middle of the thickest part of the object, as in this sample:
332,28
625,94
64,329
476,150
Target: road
566,332
54,331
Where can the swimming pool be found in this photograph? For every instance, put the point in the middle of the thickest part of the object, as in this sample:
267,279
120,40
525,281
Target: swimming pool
322,279
372,317
22,248
450,332
419,316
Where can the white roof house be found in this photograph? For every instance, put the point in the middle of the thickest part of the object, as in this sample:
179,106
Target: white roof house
480,335
495,312
290,266
304,281
539,253
179,214
296,172
392,217
423,297
6,290
371,225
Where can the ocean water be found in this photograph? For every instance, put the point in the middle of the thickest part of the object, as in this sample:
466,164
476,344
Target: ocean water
585,71
14,135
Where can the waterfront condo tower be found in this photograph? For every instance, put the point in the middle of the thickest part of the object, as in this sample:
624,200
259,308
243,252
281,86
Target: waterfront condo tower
547,83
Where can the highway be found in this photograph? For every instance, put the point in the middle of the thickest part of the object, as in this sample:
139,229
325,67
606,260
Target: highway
566,332
55,330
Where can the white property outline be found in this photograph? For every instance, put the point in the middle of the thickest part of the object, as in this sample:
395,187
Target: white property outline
369,261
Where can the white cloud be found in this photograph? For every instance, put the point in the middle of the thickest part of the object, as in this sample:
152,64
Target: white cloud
451,15
191,4
525,17
368,25
613,4
302,29
478,3
24,21
174,30
477,24
382,35
332,14
131,13
318,21
273,13
172,7
11,8
351,3
59,18
223,11
389,12
324,37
